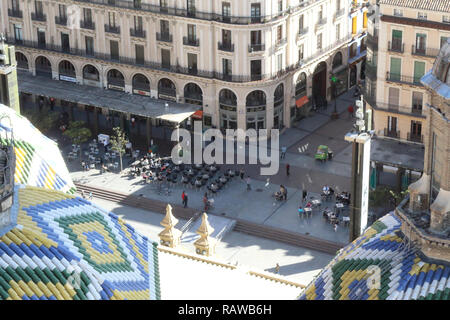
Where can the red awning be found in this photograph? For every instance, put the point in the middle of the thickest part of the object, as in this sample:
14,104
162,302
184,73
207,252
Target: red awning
198,115
301,101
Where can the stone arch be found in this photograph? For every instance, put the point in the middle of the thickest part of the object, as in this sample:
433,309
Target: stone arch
66,68
90,72
43,66
22,60
140,82
167,89
193,93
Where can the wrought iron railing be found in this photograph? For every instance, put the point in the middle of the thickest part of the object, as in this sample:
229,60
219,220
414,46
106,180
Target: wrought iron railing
165,36
425,52
225,46
391,133
188,41
395,77
61,20
87,25
415,137
38,16
112,29
396,46
16,13
138,33
256,47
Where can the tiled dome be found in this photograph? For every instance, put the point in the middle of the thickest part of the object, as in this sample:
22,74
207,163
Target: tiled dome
64,247
381,265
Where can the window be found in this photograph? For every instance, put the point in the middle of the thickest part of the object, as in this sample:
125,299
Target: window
164,25
191,33
338,31
354,25
226,37
140,58
421,41
138,25
301,52
279,33
255,37
280,6
41,38
87,15
62,11
15,5
416,129
422,16
338,5
320,15
114,49
398,13
163,5
38,7
443,41
112,19
89,45
395,69
419,70
192,62
65,43
394,97
392,124
255,69
417,102
446,19
165,58
280,62
397,39
18,32
227,67
226,11
190,6
319,41
255,11
301,23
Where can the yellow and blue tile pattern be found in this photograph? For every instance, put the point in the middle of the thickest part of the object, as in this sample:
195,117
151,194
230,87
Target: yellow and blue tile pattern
64,247
39,162
379,265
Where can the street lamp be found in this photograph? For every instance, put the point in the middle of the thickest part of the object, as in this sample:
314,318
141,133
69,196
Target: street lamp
334,81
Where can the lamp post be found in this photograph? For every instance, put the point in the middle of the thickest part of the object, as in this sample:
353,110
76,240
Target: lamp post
334,81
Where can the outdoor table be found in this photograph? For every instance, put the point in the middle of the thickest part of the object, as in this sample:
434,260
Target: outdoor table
214,187
213,169
205,177
316,202
346,220
223,179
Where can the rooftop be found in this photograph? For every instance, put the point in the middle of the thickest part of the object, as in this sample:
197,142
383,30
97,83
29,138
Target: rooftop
397,154
432,5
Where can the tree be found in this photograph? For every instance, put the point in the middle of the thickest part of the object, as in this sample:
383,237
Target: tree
77,133
118,141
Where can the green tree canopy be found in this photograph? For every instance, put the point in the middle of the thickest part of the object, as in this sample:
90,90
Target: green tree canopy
118,142
77,133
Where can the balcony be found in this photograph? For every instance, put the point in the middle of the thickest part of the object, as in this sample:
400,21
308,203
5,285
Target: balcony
391,133
15,13
320,23
302,32
256,47
62,21
393,108
225,46
339,13
112,29
138,33
396,46
415,137
188,41
256,77
87,25
280,42
393,77
424,52
38,16
165,37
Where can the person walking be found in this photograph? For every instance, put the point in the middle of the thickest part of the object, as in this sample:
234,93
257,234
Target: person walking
350,111
241,173
277,268
185,201
283,152
82,194
335,226
248,183
183,195
304,195
287,169
90,195
205,201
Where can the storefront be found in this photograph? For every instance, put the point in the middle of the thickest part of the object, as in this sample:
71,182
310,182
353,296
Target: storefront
342,76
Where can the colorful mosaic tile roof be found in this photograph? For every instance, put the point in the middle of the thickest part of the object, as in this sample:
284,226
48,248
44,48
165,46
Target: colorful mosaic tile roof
64,247
380,265
34,165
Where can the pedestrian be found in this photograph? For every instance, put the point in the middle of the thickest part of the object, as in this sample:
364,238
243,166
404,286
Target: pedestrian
82,194
248,183
283,152
277,268
183,195
185,202
287,169
241,173
335,226
304,195
350,111
90,195
301,211
205,201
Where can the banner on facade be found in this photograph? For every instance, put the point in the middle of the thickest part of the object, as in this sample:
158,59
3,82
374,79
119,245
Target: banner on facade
66,78
142,93
301,101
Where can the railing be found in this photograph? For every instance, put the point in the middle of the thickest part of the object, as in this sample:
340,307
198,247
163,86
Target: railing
166,37
321,23
187,41
139,33
61,20
87,25
112,29
391,133
16,13
396,46
415,137
339,13
394,77
192,13
302,32
280,42
389,107
178,69
425,52
256,47
225,46
38,16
